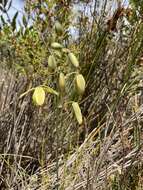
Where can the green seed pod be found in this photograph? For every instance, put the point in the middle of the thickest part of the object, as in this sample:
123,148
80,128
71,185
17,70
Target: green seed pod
52,62
79,84
58,28
73,60
77,112
39,96
62,82
56,45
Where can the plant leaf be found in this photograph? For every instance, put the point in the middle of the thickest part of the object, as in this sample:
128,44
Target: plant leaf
22,95
13,23
9,6
50,90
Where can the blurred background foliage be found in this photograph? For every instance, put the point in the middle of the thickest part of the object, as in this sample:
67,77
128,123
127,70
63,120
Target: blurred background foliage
44,147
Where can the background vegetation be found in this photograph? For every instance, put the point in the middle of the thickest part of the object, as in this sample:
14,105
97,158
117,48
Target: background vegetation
45,147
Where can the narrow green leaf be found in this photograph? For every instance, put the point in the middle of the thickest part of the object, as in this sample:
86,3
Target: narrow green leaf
50,90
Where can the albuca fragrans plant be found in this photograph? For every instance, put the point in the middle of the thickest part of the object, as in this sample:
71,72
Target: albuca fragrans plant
54,65
107,148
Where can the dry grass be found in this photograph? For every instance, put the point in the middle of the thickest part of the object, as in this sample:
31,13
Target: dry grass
43,147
